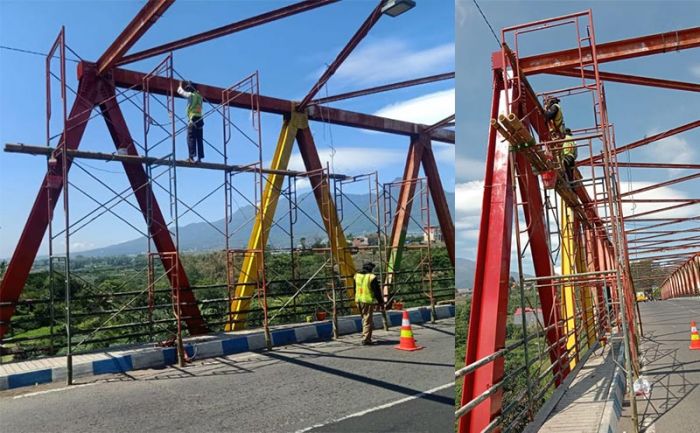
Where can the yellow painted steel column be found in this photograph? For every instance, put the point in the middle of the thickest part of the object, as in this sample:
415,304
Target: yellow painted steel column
587,290
568,297
250,269
338,242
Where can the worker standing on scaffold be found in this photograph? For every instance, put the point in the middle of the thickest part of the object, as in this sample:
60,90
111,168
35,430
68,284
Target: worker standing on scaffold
367,294
568,155
195,125
554,116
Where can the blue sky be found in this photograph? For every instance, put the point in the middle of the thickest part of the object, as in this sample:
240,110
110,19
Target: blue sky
635,111
288,54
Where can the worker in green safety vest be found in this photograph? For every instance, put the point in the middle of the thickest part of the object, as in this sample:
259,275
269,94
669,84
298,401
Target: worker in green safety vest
195,124
554,116
568,155
367,294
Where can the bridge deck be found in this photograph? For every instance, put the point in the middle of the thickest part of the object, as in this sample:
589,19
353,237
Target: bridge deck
672,369
581,409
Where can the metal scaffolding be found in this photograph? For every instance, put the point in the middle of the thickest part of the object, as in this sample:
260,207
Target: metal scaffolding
577,223
157,302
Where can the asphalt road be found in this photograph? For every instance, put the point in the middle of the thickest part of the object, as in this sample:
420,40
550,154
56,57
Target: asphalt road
337,386
671,367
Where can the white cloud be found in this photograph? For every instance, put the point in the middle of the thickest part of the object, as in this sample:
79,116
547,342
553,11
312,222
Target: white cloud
469,168
674,150
389,60
427,109
462,11
468,197
302,184
629,209
353,160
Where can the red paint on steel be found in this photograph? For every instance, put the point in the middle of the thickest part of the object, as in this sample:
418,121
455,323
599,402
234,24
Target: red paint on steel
359,35
34,229
534,211
612,51
644,141
629,79
159,85
437,192
143,21
228,29
138,178
487,322
383,88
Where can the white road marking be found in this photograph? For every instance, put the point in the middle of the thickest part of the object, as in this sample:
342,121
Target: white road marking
384,406
48,391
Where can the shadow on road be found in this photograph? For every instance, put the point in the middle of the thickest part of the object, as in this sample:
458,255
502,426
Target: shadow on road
363,379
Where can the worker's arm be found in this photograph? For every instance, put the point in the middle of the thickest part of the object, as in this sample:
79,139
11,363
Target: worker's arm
377,291
182,92
551,112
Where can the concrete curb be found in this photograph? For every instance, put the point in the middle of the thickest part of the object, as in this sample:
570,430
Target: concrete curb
213,346
616,395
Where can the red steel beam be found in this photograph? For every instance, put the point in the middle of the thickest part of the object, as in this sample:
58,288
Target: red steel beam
364,29
664,249
644,141
629,79
161,85
143,20
612,51
489,305
34,229
653,211
437,192
228,29
661,184
645,165
659,200
404,206
668,222
138,178
534,211
384,88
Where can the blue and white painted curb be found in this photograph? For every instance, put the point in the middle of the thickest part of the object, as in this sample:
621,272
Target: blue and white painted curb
615,397
213,346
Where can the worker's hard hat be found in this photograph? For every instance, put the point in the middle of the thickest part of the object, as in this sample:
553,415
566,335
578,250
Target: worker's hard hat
368,267
567,130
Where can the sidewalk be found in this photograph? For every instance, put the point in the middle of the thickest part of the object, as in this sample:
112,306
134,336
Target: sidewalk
45,370
592,401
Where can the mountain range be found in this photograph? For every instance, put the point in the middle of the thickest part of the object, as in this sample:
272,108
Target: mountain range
202,236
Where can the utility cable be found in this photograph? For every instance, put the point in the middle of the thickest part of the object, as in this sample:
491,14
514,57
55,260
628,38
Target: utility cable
493,32
36,53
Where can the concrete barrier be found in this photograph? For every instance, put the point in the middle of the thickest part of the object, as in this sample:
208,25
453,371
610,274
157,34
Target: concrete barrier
207,347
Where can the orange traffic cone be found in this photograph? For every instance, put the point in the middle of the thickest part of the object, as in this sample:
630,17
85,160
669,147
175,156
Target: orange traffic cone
694,337
407,342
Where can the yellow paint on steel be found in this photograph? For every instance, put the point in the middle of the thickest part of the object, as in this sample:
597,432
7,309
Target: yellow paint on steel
587,290
250,269
338,242
568,297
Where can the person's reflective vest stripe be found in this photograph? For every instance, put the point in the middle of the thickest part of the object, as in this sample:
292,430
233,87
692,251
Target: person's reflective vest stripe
569,147
194,105
363,289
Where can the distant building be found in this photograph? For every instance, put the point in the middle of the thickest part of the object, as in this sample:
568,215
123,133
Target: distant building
532,316
360,241
433,234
